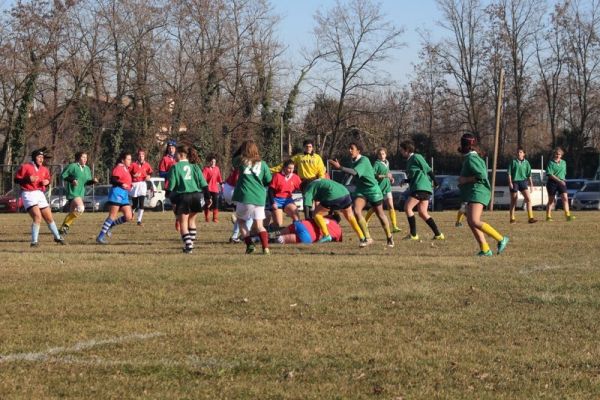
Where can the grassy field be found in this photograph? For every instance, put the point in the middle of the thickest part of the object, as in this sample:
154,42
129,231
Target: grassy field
139,319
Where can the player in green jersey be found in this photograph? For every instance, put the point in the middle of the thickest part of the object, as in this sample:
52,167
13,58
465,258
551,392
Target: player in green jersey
329,196
367,191
76,176
556,171
475,189
519,180
421,180
186,182
250,194
381,167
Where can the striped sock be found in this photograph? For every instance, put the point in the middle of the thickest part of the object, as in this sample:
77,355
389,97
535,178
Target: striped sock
106,226
193,233
119,221
35,232
187,240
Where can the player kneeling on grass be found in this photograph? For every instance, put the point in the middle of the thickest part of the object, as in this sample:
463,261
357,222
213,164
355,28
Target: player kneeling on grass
118,197
421,178
475,190
76,176
186,183
34,178
331,196
250,194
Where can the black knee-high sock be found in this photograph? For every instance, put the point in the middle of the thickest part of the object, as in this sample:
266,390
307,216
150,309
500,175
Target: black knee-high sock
433,226
412,223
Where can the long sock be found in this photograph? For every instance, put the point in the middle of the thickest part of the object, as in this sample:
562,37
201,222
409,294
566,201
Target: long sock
248,240
320,221
215,215
548,212
529,213
206,211
35,232
236,230
386,229
354,224
69,219
54,229
364,227
264,239
567,213
249,223
140,214
369,215
187,240
488,230
485,247
119,221
193,233
392,214
459,216
433,226
106,226
412,223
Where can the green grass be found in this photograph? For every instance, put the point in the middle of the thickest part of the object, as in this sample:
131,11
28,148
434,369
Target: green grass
329,321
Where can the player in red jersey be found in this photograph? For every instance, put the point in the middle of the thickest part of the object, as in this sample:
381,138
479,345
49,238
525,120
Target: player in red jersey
118,197
212,174
282,186
165,165
307,231
140,171
34,179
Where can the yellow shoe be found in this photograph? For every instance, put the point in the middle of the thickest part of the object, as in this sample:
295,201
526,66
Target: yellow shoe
549,219
439,237
570,218
411,237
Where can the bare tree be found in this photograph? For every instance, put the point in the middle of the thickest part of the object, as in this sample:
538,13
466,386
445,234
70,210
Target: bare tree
353,37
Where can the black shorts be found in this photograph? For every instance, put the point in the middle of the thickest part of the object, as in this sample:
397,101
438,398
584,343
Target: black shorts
554,187
519,186
186,203
340,203
421,195
215,200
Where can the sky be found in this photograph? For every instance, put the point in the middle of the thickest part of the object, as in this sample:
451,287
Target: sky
297,23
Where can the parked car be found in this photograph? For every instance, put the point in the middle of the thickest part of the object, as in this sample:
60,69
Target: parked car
588,198
58,198
447,194
573,186
11,202
538,193
96,197
155,196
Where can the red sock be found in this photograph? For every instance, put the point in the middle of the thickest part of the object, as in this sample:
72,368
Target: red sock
215,215
264,239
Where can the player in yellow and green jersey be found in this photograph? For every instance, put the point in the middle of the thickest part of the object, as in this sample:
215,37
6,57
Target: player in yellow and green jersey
367,191
556,172
76,176
475,189
421,178
519,180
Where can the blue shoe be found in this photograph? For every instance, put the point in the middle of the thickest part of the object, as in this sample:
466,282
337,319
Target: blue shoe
502,244
101,239
325,239
109,232
485,253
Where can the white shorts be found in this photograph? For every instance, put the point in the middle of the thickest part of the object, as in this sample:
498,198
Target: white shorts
249,211
388,196
228,193
34,198
138,189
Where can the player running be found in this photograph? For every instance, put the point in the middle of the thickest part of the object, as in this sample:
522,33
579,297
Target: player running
367,191
141,171
76,176
34,178
421,178
475,189
186,183
381,167
118,197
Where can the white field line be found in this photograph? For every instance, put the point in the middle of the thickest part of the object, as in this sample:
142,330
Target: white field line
77,347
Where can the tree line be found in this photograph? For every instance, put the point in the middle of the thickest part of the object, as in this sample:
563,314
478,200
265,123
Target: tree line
113,75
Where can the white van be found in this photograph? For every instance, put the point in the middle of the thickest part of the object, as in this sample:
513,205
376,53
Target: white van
155,196
538,193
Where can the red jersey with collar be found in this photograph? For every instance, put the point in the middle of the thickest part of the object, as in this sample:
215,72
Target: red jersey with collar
165,164
120,176
28,170
283,186
213,178
144,169
233,177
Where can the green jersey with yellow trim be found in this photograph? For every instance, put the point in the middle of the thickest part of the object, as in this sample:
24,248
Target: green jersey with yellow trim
381,170
557,169
519,170
82,174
